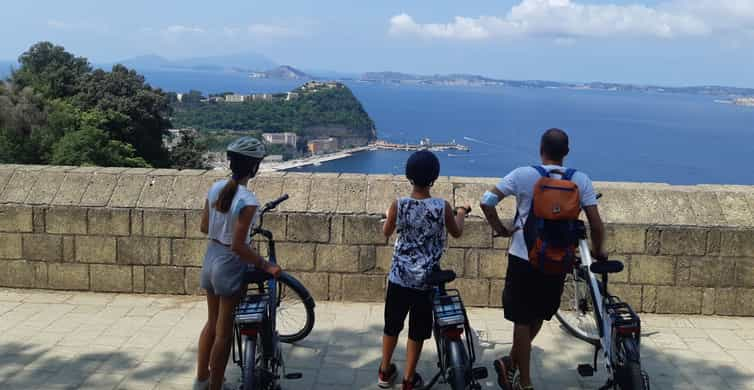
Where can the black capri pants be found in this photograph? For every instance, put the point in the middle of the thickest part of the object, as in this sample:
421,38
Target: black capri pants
401,301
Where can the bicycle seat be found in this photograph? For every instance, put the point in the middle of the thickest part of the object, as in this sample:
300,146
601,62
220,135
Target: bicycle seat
606,267
255,276
441,277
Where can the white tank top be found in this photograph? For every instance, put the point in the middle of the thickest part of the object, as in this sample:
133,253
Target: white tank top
221,224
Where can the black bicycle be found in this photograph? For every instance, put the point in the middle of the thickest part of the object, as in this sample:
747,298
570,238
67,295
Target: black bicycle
272,311
590,313
452,333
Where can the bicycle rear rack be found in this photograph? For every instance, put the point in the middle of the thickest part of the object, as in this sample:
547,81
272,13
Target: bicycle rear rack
251,309
448,309
625,321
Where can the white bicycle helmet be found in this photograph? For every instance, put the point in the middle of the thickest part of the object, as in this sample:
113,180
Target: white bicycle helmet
249,147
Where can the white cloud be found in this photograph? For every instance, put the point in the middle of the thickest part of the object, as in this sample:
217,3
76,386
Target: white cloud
566,19
181,29
271,31
76,26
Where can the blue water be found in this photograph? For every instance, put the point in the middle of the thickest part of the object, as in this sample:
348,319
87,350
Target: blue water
615,136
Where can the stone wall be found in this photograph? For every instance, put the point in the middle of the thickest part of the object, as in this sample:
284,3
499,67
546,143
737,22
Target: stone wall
687,249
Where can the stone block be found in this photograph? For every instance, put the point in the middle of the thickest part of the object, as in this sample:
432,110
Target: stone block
16,219
164,223
316,283
138,250
340,258
164,280
40,274
367,257
476,234
189,253
42,247
352,196
454,259
737,243
193,276
744,272
725,301
189,192
275,223
385,259
492,264
308,228
95,249
99,190
137,222
363,230
156,191
628,293
19,186
296,256
679,300
16,273
496,292
714,238
127,191
625,239
706,208
194,223
735,208
138,273
708,302
335,287
474,292
469,193
68,276
297,186
336,229
38,219
706,271
380,194
655,270
166,250
111,278
683,241
10,246
470,263
45,188
267,188
653,241
109,222
72,189
71,220
649,299
363,288
323,197
501,242
745,302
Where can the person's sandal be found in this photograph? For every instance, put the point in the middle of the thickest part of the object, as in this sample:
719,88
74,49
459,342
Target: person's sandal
386,379
505,372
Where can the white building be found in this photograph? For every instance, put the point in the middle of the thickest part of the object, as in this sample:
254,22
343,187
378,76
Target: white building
235,98
260,96
291,96
289,139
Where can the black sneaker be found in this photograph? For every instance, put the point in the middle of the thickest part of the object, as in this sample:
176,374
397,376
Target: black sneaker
416,383
386,380
506,374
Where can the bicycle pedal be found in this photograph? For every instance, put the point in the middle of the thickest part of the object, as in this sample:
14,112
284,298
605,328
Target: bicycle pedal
479,373
585,370
294,375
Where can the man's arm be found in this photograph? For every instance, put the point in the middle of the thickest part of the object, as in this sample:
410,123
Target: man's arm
490,199
597,230
388,228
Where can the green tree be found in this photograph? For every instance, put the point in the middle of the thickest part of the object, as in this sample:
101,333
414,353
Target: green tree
188,153
92,146
50,70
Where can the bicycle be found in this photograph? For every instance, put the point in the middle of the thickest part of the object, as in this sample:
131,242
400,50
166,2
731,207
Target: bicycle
257,322
455,352
592,315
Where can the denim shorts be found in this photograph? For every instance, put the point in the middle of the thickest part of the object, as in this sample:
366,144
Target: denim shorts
222,271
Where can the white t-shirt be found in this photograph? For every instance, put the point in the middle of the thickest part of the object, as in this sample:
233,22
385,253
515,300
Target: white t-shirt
221,224
520,183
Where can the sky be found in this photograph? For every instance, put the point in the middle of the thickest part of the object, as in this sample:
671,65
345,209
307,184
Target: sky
666,42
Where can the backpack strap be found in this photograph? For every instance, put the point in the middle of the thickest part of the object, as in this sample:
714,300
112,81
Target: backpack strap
568,175
542,171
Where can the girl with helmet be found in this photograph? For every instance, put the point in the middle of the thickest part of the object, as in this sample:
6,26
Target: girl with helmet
230,211
421,222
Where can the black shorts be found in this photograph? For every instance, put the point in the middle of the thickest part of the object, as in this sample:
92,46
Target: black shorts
401,301
530,295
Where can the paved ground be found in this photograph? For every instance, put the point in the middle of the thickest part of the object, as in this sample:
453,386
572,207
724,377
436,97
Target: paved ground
60,340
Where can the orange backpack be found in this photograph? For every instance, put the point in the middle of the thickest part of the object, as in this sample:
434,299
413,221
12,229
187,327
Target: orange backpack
550,230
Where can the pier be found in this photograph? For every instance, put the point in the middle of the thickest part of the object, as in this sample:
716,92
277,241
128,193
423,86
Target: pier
424,144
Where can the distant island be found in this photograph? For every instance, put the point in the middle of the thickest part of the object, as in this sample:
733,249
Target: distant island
283,72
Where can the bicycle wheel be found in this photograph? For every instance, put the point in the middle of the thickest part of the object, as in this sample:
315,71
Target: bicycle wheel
458,362
295,311
576,311
628,374
249,363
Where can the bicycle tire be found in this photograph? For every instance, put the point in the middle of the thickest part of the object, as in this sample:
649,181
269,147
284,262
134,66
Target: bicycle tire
576,312
458,362
301,303
249,363
629,375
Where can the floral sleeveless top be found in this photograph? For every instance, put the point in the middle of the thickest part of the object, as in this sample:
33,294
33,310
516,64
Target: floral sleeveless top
421,241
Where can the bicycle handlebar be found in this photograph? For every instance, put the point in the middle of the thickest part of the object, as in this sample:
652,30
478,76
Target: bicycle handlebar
275,203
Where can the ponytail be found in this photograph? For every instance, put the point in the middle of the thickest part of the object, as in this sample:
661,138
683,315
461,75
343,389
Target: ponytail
222,204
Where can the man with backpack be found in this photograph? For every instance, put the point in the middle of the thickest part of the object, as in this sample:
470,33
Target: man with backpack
549,199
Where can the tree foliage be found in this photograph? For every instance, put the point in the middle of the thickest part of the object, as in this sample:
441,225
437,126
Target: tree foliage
188,153
56,109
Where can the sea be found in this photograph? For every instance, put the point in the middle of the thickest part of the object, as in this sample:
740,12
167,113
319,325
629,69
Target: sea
615,136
